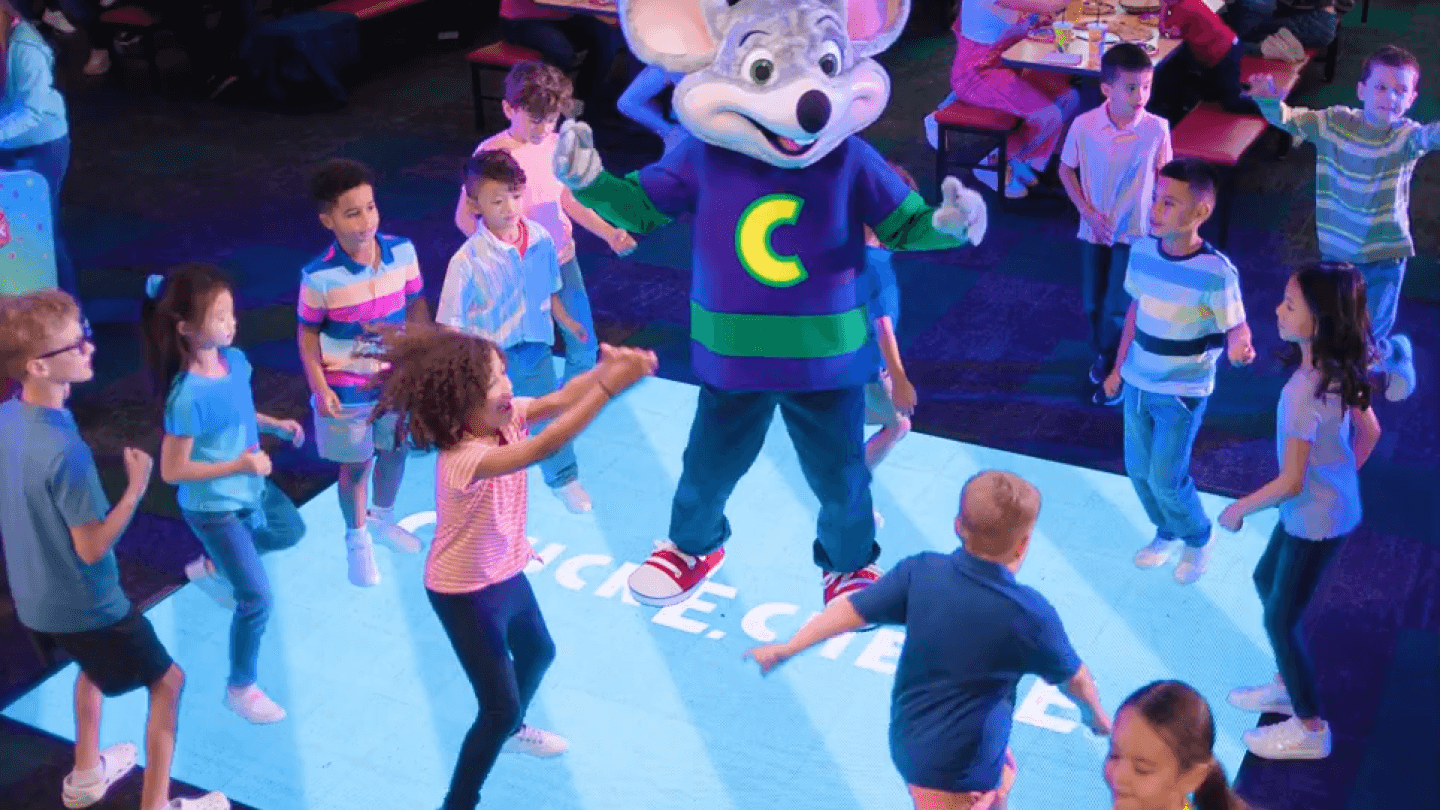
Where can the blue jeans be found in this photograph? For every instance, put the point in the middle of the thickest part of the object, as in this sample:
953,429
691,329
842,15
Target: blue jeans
1160,432
579,357
1102,291
1254,20
560,41
531,368
827,428
505,648
50,160
1383,280
1286,578
234,542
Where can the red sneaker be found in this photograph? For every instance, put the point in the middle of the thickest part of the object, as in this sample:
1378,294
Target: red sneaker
838,584
669,575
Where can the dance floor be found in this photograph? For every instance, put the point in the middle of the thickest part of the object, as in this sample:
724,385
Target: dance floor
660,709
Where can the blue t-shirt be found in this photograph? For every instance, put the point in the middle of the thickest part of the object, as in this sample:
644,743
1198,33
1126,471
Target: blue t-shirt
219,414
48,485
879,289
971,634
774,304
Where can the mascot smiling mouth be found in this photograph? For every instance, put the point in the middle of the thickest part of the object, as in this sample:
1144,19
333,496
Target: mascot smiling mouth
782,144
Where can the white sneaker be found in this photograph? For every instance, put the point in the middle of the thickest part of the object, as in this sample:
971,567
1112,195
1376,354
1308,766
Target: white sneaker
361,557
253,705
574,496
115,762
208,580
1288,740
1193,562
391,534
56,19
1156,554
98,64
210,801
536,742
1268,697
1400,374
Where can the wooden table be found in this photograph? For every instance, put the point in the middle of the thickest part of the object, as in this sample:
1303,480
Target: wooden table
604,9
1028,53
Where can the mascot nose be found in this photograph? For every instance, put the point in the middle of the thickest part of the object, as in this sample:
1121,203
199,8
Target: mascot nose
813,111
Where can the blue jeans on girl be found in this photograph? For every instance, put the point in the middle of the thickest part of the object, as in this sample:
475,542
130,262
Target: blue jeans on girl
827,429
505,649
50,160
531,367
1160,432
234,542
1286,578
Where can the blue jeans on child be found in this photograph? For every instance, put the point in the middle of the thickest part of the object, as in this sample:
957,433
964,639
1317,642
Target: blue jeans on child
1286,578
580,356
531,367
827,429
1102,291
1254,20
50,160
1383,280
1160,432
505,649
234,542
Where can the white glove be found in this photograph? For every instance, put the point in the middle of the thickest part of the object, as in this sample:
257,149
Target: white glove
961,213
576,162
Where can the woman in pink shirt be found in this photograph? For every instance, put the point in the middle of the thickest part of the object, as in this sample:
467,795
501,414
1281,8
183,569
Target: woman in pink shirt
559,36
452,394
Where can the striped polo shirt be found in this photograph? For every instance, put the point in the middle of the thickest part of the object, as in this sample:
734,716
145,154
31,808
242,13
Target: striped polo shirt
1117,167
479,522
1184,305
1362,178
347,300
499,291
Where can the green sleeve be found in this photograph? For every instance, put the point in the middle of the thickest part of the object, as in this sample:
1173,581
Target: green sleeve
909,228
622,202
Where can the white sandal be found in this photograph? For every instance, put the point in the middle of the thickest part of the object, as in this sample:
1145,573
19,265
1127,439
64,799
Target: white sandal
115,762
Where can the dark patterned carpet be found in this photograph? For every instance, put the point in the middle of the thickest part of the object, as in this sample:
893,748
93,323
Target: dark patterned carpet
993,337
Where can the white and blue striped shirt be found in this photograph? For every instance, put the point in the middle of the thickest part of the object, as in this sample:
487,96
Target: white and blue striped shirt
1184,305
493,291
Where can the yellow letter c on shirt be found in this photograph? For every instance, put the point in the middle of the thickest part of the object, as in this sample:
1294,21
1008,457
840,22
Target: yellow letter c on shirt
752,240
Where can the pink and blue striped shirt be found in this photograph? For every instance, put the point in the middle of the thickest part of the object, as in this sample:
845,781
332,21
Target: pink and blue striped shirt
348,302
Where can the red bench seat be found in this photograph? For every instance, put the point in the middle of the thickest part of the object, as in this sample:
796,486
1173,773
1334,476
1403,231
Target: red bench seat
368,9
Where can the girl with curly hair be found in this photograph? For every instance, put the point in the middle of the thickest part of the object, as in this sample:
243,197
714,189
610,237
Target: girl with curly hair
451,393
1326,431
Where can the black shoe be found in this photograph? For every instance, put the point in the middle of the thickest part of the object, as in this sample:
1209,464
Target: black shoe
1100,397
1099,370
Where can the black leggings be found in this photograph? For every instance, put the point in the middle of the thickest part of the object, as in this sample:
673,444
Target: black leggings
504,648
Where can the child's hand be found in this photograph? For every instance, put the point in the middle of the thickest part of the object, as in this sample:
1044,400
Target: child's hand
769,656
1112,383
1241,353
621,242
1262,85
1098,724
623,366
904,395
1099,223
291,430
138,465
1230,518
256,462
327,402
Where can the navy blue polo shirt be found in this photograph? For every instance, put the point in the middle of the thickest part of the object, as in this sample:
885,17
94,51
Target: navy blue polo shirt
971,633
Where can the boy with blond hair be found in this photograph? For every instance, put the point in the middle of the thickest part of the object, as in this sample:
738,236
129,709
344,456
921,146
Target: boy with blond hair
60,533
536,97
971,633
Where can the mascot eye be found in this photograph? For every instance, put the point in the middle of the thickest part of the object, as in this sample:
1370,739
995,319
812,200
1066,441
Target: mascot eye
830,59
759,67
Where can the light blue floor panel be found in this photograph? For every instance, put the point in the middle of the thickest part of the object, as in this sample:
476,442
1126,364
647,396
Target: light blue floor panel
659,707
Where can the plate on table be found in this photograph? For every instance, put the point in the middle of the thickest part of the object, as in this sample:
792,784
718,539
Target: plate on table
1132,31
1096,8
1140,6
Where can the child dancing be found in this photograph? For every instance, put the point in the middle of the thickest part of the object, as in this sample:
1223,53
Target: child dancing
451,393
1325,431
211,452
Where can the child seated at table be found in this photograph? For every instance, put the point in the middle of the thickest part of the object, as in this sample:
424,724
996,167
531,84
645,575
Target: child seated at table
1205,67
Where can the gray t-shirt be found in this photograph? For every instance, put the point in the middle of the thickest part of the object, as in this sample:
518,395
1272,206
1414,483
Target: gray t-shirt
48,483
1329,504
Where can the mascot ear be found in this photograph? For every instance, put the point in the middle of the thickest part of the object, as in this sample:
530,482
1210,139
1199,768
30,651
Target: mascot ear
876,24
679,36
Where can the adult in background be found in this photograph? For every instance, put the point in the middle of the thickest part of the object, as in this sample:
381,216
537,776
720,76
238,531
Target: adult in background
34,132
559,36
1268,26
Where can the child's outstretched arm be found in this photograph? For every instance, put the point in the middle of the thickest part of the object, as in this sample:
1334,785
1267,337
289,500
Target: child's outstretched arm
1367,434
1285,486
904,393
176,466
838,617
618,239
288,429
93,539
1299,121
572,408
1081,689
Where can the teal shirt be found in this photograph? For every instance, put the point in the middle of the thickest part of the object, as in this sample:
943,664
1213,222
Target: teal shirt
32,111
218,413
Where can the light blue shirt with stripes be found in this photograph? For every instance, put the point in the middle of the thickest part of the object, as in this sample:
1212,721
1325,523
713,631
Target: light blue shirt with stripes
1179,299
493,291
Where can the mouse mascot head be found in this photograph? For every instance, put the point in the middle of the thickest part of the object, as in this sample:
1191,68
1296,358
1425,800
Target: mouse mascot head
783,81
